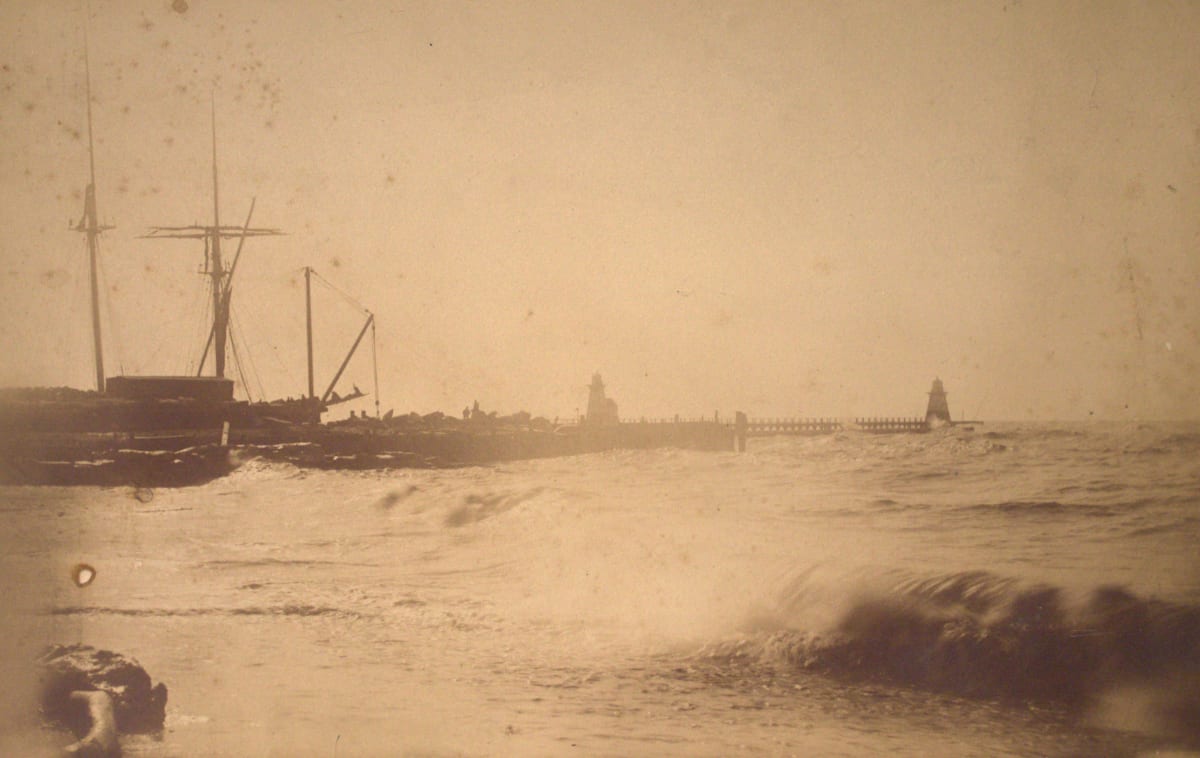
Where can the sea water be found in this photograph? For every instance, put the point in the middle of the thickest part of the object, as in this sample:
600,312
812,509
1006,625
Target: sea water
1011,589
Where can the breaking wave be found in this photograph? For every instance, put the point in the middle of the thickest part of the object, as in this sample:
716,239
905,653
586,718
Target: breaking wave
1043,507
476,507
979,635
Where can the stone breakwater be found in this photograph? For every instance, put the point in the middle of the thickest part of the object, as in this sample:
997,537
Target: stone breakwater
195,456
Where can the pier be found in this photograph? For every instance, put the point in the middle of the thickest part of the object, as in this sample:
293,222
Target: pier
744,427
84,438
892,425
806,427
801,427
937,414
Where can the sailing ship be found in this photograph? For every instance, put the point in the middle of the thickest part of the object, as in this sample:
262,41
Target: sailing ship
158,429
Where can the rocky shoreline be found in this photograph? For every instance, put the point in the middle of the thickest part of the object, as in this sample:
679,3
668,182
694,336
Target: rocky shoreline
98,695
172,458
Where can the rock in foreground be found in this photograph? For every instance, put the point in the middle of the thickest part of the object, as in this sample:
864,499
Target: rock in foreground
138,706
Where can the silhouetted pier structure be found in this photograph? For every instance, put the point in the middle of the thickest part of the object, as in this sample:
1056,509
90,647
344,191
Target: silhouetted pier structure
937,414
802,427
812,427
892,425
767,427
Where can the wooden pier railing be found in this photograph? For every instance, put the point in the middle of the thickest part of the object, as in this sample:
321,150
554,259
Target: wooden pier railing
804,427
886,425
717,433
761,427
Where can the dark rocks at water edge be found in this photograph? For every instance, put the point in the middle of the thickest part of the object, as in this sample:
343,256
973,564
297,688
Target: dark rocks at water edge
107,467
138,706
439,443
195,456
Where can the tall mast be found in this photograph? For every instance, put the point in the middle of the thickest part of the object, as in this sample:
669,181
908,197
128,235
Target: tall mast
220,279
90,224
217,267
308,323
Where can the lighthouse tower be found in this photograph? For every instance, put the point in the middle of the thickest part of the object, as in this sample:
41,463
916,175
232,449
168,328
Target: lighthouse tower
937,413
601,410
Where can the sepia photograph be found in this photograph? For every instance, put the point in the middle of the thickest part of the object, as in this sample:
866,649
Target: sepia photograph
603,378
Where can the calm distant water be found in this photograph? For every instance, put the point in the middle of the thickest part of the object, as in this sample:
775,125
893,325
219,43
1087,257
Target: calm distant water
1012,590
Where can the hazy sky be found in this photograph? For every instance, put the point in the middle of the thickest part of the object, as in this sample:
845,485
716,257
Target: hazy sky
785,208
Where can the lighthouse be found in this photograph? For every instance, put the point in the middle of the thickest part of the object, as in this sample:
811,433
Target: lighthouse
602,410
937,413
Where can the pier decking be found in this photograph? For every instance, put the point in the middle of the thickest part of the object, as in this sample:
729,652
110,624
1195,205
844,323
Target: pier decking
744,427
768,427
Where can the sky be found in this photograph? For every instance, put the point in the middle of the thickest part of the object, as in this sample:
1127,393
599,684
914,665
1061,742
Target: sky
782,208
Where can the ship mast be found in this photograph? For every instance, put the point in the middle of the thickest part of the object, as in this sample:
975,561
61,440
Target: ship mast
90,225
308,324
216,269
221,278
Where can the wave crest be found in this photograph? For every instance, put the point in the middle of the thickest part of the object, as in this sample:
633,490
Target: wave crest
976,634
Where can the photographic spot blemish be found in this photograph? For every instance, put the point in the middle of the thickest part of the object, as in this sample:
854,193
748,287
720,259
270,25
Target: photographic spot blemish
55,278
83,574
179,6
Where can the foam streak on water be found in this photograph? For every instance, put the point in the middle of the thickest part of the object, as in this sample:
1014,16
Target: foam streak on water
1013,590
